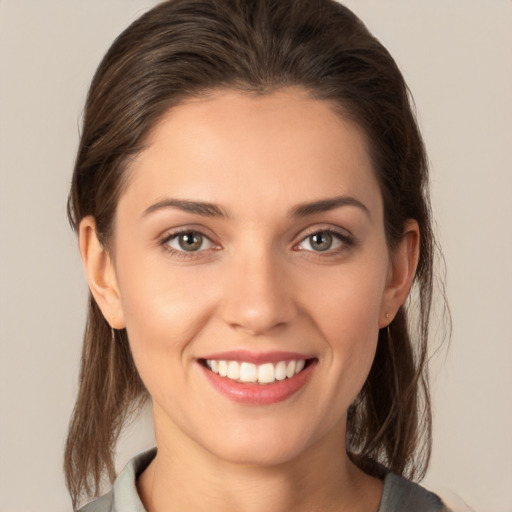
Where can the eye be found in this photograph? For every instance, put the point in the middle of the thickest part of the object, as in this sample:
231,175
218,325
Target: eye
322,241
188,241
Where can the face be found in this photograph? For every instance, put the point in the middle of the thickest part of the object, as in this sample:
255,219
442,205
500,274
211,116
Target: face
252,273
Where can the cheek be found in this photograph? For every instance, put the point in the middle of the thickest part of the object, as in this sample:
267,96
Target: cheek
164,307
352,333
348,317
349,302
164,311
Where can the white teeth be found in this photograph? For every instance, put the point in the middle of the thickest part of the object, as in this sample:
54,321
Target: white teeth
263,374
266,373
290,369
248,372
233,370
223,368
281,370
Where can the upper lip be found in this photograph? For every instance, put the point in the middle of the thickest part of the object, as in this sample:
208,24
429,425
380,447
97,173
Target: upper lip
256,357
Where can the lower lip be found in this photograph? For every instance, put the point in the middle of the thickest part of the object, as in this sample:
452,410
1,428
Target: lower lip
259,394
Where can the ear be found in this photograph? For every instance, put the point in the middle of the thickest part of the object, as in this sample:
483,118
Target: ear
404,261
101,274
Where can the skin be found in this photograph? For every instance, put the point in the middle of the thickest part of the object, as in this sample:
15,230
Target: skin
258,283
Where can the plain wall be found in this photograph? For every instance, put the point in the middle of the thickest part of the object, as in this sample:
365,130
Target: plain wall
456,56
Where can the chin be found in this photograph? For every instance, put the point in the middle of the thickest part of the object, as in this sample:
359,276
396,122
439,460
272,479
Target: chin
263,454
266,443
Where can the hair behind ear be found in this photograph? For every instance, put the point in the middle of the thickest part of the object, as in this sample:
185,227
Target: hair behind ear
110,390
394,405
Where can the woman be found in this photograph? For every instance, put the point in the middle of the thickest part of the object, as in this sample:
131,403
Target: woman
250,195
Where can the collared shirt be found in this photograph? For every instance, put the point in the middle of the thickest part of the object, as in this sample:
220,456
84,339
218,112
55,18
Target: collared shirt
399,494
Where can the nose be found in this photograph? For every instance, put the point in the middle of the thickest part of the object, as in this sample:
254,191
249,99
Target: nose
258,295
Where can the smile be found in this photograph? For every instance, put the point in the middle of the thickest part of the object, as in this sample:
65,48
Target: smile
267,373
258,379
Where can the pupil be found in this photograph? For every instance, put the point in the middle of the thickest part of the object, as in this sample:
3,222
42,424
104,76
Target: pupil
321,241
190,241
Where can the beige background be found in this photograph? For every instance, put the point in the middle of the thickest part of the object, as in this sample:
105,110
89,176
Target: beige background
457,58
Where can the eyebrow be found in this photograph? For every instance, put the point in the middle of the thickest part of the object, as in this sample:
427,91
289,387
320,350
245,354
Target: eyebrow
213,210
325,205
197,207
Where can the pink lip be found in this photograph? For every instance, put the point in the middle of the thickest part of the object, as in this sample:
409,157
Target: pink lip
259,394
257,357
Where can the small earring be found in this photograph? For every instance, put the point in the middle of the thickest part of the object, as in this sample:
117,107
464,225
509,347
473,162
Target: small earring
113,335
387,315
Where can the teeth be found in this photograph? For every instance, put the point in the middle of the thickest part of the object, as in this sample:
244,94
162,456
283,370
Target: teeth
290,369
263,374
233,370
266,373
223,368
248,372
280,370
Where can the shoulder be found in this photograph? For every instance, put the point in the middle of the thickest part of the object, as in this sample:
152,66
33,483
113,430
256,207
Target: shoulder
103,504
401,495
124,496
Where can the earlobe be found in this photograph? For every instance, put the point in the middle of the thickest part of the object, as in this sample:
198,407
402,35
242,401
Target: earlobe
101,274
401,273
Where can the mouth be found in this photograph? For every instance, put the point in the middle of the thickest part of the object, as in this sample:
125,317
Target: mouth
251,373
258,379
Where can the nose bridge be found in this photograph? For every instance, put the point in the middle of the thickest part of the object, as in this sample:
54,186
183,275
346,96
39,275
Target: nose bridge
257,296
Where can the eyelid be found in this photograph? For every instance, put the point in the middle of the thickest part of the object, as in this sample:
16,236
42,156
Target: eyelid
321,228
181,253
175,237
342,235
186,228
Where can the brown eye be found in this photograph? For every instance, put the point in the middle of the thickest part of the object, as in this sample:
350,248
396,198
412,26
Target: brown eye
190,241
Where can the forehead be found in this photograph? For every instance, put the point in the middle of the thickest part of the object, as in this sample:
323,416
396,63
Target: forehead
281,148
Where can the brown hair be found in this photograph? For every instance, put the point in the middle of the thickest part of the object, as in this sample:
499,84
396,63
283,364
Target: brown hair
184,48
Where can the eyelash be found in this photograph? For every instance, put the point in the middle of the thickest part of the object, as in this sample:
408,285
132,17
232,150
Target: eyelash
183,255
346,242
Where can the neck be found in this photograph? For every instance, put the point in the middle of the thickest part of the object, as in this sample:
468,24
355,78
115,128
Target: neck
184,476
